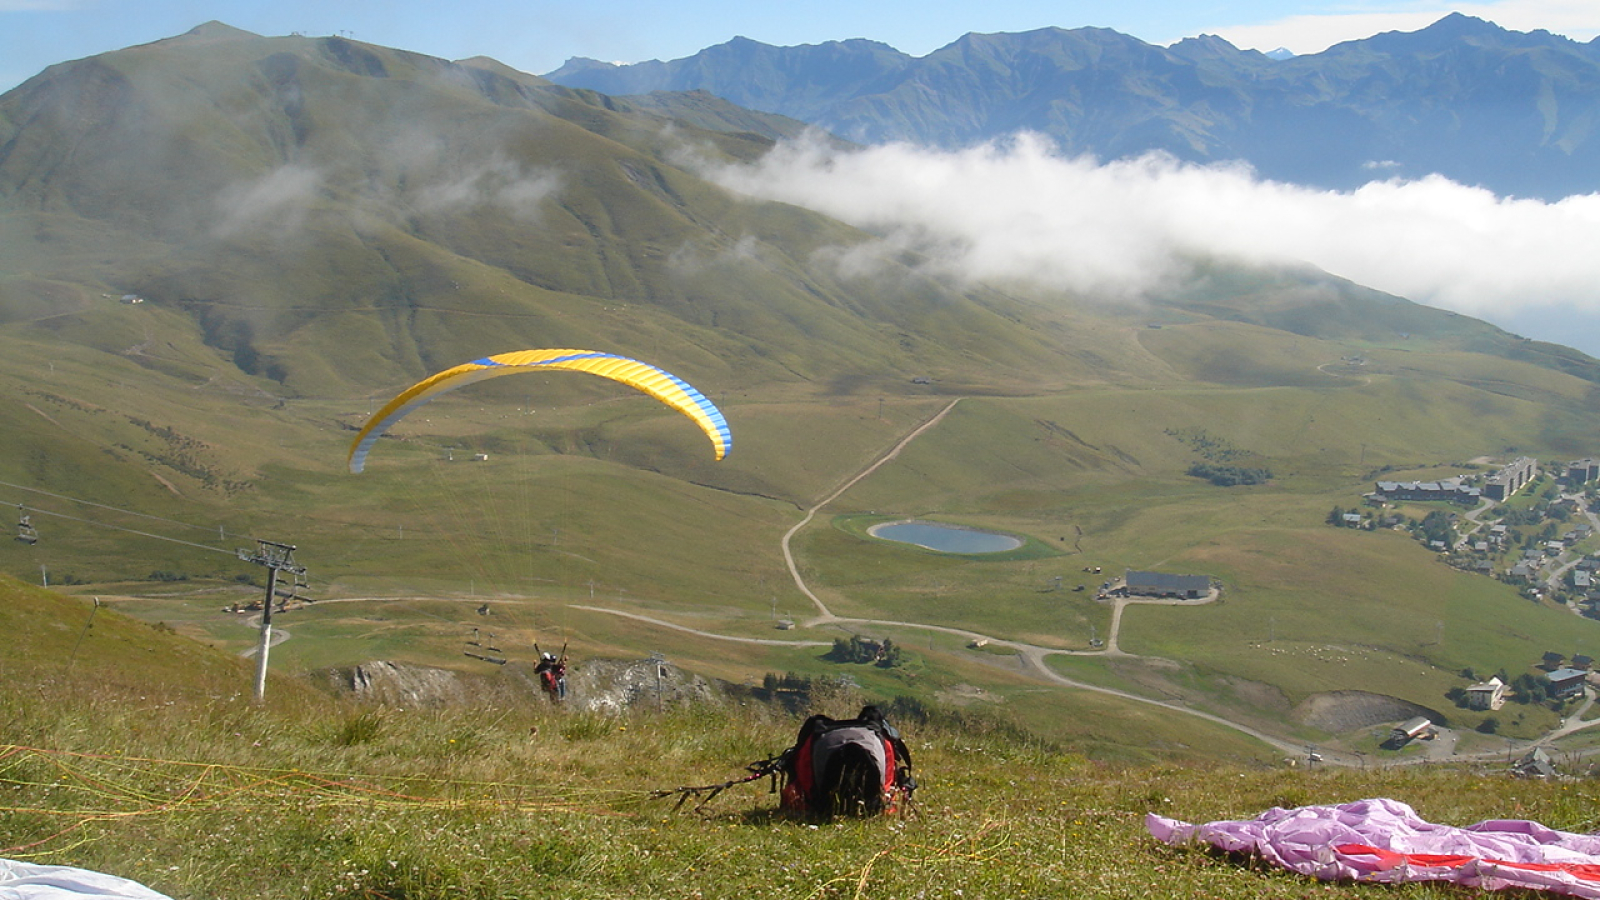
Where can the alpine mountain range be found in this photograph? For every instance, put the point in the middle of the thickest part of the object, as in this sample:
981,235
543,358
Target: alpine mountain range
1481,105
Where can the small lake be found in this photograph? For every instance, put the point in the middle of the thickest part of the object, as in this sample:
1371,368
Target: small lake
945,538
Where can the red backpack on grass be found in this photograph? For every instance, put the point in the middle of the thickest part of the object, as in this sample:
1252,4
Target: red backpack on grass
854,766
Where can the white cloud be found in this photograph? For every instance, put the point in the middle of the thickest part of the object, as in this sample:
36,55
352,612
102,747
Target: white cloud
276,203
1117,230
499,181
689,260
1315,32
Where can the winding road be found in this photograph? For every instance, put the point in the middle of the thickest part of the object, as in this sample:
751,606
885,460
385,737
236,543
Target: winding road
824,616
1034,656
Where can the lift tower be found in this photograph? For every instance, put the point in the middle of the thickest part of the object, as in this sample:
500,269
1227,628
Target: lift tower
277,558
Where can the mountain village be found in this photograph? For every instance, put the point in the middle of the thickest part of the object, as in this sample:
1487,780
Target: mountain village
1529,526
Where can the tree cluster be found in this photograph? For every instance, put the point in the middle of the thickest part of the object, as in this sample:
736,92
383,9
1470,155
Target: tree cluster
788,681
858,649
1229,476
1337,514
1437,526
1530,688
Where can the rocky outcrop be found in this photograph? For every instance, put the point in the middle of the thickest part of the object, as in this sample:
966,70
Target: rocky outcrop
399,684
600,685
609,685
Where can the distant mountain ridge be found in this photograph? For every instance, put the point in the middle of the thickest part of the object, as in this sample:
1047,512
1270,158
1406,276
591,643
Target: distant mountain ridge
284,195
1464,98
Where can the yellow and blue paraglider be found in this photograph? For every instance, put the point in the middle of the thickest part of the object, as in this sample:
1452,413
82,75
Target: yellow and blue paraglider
658,383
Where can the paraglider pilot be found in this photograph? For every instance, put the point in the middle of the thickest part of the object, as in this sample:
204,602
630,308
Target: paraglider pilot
552,672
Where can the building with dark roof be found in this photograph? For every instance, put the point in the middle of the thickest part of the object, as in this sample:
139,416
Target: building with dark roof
1160,584
1567,682
1451,489
1582,471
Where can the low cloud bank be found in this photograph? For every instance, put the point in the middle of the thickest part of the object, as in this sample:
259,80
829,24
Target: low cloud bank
1115,231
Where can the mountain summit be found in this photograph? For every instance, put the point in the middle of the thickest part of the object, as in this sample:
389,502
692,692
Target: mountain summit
1462,98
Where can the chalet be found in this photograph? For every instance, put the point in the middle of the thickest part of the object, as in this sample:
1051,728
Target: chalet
1582,580
1534,765
1160,584
1567,682
1411,729
1489,694
1352,520
1580,661
1552,661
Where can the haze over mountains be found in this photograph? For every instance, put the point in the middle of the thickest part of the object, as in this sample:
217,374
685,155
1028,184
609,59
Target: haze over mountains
236,177
1455,166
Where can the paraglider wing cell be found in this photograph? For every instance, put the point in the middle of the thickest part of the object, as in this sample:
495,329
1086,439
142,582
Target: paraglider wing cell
658,383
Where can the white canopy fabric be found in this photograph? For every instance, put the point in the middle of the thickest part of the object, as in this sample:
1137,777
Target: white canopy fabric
27,881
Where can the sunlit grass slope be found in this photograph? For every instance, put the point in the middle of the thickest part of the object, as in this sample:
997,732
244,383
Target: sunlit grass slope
141,768
591,496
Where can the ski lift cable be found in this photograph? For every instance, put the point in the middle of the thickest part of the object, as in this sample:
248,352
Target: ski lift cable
208,528
159,537
130,512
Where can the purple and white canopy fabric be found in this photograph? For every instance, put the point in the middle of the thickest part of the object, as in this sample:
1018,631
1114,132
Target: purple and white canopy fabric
28,881
1385,841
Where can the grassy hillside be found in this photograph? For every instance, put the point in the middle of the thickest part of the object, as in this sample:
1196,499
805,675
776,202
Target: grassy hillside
567,511
133,762
267,189
313,224
601,499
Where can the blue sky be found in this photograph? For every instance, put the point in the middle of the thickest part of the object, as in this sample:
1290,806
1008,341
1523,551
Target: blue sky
538,36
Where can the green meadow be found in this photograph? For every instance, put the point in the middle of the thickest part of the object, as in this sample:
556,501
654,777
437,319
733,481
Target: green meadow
126,754
590,497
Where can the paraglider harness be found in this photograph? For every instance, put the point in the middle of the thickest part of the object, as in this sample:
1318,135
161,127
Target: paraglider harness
854,766
552,672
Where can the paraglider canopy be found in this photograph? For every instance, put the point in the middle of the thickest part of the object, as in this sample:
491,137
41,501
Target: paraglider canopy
658,383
